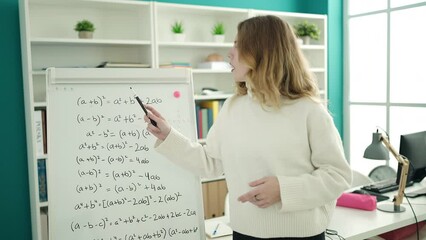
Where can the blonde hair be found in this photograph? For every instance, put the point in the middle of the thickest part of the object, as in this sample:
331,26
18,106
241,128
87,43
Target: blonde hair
276,64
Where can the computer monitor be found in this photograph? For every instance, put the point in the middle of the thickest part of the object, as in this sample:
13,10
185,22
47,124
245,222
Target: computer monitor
413,147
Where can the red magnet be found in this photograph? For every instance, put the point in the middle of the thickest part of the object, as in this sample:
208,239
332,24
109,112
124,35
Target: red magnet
176,94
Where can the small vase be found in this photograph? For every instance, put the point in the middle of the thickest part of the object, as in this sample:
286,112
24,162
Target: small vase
85,34
179,37
306,40
219,38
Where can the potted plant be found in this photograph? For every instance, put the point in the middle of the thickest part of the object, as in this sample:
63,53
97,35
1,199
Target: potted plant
177,29
218,32
307,31
85,29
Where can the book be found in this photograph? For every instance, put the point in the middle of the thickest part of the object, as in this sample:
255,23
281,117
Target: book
221,102
123,65
213,105
44,127
204,122
216,229
38,125
209,118
44,224
200,123
42,181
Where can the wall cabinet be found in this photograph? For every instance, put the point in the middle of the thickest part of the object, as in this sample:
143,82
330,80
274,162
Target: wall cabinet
137,32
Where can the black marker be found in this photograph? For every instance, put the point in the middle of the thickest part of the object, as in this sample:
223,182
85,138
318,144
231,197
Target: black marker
143,108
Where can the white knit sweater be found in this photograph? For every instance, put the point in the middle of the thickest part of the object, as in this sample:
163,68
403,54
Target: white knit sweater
298,143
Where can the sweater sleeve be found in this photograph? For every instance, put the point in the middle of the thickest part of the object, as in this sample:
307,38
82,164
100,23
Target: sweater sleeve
332,174
199,159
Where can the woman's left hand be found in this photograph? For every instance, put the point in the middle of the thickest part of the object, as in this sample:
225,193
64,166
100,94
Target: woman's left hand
265,193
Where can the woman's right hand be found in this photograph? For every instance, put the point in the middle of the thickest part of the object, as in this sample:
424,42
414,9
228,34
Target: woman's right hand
162,130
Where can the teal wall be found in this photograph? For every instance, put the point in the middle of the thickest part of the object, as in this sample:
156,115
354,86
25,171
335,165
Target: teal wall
335,61
15,223
279,5
334,11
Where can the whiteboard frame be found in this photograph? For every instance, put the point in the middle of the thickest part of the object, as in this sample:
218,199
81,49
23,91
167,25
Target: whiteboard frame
56,77
117,75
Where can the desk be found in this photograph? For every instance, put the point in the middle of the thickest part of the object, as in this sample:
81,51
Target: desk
353,224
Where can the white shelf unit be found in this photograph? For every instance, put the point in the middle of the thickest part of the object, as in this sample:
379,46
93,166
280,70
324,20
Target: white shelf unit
197,23
132,31
48,39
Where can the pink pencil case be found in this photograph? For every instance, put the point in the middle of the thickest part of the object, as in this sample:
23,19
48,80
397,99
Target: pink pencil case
359,201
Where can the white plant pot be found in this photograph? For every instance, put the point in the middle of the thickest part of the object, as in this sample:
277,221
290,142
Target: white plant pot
179,37
85,34
219,38
306,40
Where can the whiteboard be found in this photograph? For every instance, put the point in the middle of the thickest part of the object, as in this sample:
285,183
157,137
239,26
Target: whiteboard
105,180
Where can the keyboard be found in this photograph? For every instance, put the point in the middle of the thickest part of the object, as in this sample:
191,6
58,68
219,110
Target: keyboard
417,193
384,186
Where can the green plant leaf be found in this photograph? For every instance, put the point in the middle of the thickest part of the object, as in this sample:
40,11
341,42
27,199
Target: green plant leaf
307,29
177,27
84,25
218,29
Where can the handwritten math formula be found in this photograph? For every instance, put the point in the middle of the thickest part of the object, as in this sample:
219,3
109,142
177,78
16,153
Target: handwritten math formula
113,183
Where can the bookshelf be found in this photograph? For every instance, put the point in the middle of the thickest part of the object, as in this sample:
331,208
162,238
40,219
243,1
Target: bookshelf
132,31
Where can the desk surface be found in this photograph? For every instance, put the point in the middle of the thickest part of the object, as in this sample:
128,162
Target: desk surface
354,224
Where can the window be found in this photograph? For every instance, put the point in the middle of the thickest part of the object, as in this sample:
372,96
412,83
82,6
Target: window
362,6
407,62
368,58
385,74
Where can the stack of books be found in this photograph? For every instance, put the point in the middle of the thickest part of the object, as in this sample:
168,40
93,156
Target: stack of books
206,113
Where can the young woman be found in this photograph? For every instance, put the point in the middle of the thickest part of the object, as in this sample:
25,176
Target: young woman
274,140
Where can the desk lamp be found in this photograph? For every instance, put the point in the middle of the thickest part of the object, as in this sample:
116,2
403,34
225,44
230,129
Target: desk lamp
377,151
